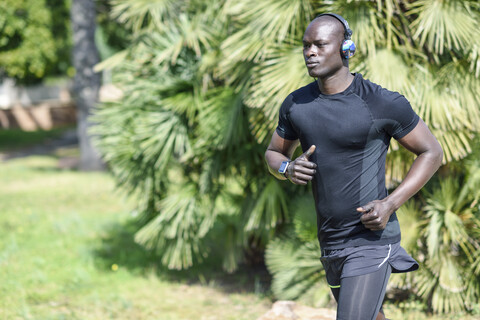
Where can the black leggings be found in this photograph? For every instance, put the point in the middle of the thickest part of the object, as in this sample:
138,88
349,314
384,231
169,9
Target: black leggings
361,297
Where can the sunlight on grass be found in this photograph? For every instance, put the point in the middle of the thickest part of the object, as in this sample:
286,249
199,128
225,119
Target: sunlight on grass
60,260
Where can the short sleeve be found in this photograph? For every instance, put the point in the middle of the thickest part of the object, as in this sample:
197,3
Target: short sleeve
285,128
403,118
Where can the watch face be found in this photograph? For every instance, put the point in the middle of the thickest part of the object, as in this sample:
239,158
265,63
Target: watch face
283,167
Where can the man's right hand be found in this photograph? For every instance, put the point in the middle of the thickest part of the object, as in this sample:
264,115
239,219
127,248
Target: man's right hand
300,170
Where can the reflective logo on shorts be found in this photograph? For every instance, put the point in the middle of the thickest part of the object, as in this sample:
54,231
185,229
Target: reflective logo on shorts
388,256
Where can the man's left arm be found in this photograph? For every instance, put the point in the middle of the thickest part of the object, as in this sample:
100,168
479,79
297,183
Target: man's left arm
429,158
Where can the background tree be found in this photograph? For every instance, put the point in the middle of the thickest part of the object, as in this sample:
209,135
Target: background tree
203,81
36,43
86,81
34,39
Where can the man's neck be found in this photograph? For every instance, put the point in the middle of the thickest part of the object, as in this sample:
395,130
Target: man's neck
335,83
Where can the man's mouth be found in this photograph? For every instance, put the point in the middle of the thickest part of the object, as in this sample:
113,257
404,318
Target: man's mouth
311,64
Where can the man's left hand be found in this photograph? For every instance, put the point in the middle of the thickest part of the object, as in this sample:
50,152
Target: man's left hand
376,214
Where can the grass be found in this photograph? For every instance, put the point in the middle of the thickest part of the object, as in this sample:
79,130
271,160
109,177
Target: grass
66,252
13,139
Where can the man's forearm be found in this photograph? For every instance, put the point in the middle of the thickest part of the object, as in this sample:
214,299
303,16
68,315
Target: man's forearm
274,159
422,169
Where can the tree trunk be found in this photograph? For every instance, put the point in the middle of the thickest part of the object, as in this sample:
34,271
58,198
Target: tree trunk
87,83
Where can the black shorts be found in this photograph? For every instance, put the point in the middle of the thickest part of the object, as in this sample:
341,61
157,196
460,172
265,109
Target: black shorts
356,261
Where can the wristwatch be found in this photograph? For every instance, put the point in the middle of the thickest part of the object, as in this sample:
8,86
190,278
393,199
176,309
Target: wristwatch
283,168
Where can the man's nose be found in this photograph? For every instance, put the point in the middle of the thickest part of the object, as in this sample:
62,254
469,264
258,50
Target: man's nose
311,51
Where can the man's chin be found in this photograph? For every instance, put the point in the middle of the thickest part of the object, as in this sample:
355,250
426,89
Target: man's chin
313,74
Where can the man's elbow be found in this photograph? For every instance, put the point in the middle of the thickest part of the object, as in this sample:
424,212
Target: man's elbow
437,155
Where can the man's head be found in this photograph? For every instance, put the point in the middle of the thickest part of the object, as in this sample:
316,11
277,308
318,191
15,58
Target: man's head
322,45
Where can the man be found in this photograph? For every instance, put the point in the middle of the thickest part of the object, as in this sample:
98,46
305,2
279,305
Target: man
344,124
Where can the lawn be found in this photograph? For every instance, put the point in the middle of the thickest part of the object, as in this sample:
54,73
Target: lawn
66,252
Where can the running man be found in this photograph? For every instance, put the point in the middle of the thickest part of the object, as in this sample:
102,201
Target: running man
344,124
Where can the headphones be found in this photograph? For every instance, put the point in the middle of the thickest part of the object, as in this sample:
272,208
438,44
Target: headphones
348,47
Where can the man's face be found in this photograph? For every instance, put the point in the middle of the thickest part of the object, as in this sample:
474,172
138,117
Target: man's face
321,48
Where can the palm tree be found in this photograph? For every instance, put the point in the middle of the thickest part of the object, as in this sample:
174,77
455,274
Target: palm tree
451,251
293,258
203,81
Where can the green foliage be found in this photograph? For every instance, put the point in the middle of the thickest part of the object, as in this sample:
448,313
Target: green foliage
293,258
111,35
297,271
35,39
67,252
445,240
202,83
14,139
449,248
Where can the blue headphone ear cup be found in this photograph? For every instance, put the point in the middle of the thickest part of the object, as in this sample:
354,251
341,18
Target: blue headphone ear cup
348,49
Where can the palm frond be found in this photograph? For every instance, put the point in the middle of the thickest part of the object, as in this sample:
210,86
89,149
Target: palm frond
139,14
272,81
167,45
442,25
449,245
143,134
304,218
474,58
388,69
232,248
364,19
443,284
276,21
161,137
471,190
265,24
409,218
111,62
221,118
455,144
295,267
184,219
445,228
228,206
444,98
269,209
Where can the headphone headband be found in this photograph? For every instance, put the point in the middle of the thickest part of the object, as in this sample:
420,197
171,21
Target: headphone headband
348,47
348,31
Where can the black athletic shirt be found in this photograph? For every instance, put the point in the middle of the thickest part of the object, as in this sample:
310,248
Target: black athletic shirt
351,131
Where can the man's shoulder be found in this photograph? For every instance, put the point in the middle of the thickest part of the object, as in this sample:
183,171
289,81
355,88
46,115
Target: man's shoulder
386,104
305,94
371,90
379,98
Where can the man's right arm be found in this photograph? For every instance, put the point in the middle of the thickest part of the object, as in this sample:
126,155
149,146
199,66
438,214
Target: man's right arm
300,171
279,150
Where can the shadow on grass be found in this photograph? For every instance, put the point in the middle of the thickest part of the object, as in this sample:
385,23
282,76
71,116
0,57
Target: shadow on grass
59,143
118,247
